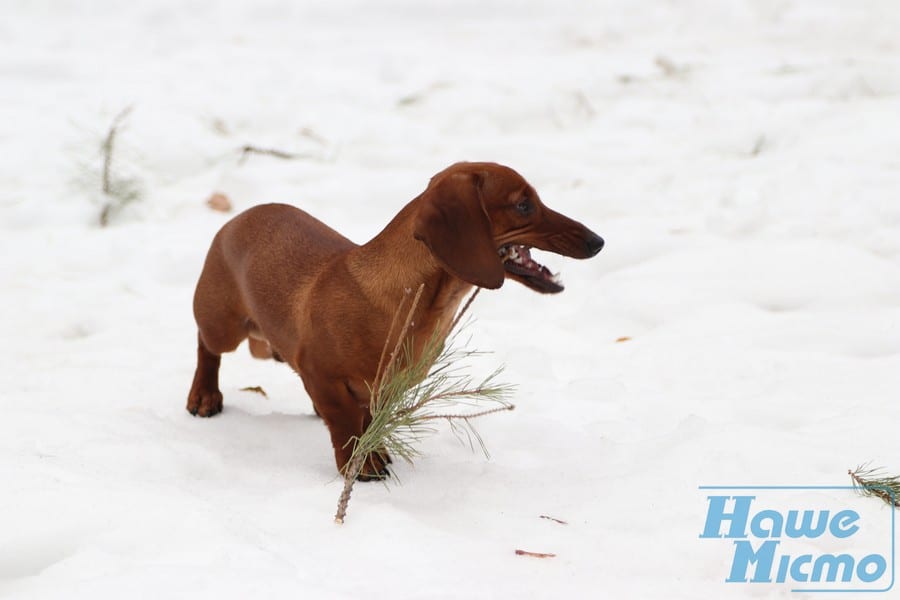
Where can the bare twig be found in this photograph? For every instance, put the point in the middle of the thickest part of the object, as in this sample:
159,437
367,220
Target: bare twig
384,348
384,369
104,214
107,147
464,309
249,149
393,356
354,466
535,554
554,519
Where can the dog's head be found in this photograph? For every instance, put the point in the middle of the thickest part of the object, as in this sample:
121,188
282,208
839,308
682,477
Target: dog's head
480,221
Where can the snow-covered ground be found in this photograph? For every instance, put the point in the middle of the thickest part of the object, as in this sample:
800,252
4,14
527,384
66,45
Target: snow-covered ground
741,159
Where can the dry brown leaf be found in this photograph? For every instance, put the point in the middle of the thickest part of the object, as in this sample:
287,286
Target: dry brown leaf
256,389
219,201
624,338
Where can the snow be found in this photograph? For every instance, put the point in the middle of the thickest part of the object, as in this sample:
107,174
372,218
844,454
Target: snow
739,158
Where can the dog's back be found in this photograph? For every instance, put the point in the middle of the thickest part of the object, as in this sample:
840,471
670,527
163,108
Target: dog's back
254,260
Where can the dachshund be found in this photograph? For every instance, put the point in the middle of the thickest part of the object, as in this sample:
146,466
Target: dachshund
304,294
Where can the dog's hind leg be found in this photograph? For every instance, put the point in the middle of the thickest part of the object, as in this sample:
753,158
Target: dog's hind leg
219,314
205,399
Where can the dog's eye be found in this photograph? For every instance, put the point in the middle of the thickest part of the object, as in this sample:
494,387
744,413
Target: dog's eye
525,207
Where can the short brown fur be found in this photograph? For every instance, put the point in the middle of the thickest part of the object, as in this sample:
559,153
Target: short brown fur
303,293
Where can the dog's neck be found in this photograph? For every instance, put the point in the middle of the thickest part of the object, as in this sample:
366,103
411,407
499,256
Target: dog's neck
385,280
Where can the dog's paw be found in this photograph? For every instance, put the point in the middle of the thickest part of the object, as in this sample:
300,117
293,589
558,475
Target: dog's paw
375,467
383,474
204,404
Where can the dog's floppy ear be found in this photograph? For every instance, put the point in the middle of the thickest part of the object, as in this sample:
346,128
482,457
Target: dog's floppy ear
453,224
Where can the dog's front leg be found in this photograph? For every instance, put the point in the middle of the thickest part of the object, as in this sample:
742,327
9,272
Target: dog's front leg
347,418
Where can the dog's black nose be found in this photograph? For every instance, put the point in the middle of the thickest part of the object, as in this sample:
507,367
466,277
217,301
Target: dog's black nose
594,244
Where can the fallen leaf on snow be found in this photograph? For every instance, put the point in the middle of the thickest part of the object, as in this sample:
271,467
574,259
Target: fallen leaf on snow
256,389
219,201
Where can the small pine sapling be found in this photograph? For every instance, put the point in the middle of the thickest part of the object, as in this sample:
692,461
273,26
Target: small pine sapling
408,396
118,191
876,483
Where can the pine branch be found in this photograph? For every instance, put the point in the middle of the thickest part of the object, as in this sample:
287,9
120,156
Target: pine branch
357,460
411,392
392,359
875,483
354,465
466,417
379,370
464,309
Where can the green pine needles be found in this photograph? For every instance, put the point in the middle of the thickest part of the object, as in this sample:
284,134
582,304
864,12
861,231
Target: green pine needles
408,397
876,483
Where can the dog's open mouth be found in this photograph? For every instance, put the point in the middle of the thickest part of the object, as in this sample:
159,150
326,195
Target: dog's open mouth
518,262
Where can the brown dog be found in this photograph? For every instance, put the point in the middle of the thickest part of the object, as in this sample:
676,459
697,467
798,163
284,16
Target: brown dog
304,293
